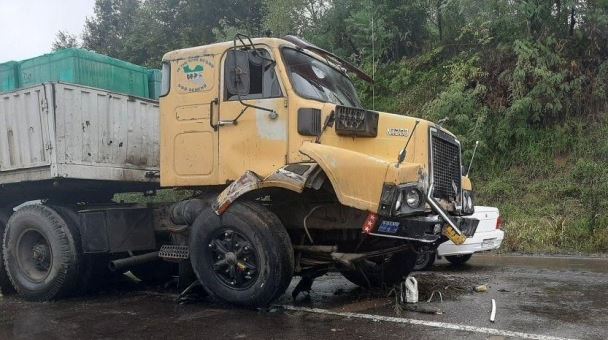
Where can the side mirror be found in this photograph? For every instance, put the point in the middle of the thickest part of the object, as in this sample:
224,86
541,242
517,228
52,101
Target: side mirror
238,77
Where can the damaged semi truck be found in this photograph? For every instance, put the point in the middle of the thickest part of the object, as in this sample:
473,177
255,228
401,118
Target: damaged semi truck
291,175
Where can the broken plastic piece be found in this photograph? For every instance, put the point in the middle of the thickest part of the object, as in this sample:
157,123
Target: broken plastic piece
481,289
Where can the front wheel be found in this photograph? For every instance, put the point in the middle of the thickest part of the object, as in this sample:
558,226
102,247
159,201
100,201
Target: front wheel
244,256
458,260
382,272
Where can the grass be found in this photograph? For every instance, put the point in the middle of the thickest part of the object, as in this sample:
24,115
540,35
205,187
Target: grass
557,206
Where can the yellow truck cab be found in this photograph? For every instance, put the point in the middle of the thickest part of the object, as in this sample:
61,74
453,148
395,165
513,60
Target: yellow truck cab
296,177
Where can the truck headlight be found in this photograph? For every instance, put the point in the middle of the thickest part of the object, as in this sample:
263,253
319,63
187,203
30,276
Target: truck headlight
399,201
412,198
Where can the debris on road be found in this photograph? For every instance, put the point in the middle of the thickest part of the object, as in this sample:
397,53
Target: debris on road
493,313
481,289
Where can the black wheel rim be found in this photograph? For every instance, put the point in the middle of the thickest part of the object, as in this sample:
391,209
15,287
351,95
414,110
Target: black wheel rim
234,260
34,255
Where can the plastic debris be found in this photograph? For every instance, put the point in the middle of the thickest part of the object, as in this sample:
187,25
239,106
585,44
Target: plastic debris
411,290
481,289
493,313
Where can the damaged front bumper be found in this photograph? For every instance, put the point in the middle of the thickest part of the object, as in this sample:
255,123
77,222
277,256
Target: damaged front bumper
425,229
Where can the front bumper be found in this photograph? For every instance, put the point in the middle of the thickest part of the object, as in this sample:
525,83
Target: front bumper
426,229
479,242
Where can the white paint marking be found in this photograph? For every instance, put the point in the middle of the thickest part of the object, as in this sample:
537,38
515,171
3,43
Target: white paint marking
444,325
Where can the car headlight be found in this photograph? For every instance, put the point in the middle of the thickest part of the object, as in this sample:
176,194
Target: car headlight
412,198
468,206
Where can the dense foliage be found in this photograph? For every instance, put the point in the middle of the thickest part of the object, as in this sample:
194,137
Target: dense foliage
527,78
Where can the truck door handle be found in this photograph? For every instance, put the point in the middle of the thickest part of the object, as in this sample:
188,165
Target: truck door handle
213,102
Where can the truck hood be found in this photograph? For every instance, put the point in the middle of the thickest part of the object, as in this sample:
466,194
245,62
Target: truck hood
393,133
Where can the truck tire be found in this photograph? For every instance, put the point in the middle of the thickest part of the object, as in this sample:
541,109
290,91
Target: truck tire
458,260
384,272
41,254
243,257
425,261
6,287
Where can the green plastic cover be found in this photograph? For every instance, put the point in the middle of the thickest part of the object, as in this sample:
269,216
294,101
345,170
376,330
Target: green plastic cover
154,80
9,79
87,68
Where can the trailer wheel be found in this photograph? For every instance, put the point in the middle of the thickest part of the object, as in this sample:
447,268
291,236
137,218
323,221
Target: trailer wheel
383,272
41,254
6,287
244,256
458,260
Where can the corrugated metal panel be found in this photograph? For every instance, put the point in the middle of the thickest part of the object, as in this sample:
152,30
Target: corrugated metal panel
24,136
91,134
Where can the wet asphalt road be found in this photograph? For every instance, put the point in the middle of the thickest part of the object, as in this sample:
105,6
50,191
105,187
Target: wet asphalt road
536,298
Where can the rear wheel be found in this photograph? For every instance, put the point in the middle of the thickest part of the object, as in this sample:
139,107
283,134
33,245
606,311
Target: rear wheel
6,287
382,272
458,260
41,254
244,256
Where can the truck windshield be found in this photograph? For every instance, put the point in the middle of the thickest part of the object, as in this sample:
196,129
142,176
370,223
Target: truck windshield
314,79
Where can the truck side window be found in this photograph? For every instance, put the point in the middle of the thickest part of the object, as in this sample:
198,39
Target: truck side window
263,79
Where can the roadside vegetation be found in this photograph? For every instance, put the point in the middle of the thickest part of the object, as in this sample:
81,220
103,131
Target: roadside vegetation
526,78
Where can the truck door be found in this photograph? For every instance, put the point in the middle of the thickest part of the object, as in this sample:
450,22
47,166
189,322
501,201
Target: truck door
189,142
258,140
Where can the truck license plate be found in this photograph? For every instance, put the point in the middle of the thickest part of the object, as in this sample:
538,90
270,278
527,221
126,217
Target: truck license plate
390,227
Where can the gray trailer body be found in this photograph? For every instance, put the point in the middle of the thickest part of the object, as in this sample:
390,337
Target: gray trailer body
71,139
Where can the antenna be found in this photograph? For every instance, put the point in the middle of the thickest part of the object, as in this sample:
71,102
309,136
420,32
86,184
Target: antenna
472,157
373,64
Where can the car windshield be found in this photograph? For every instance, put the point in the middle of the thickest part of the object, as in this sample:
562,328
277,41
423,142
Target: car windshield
314,79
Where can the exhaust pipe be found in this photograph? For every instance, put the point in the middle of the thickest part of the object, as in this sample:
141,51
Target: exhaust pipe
130,262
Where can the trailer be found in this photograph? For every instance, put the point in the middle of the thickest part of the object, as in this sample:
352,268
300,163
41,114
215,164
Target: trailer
64,139
71,148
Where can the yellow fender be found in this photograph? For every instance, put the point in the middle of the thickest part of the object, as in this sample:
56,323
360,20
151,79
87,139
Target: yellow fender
357,178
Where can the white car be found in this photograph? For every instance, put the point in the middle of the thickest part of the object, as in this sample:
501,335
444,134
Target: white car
488,236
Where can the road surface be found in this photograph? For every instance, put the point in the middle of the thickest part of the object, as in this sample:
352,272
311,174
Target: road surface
536,297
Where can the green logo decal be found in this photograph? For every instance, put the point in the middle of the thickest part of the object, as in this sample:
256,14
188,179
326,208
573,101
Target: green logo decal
197,68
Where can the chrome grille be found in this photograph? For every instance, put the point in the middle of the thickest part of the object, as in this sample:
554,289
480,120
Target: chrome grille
446,167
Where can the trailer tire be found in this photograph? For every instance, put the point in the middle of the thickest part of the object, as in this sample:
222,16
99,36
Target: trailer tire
6,287
243,257
384,274
41,254
458,260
